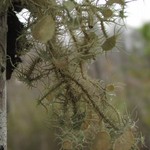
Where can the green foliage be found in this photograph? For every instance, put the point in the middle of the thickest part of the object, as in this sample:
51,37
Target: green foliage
79,106
145,30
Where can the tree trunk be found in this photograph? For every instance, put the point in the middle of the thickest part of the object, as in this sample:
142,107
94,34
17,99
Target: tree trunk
3,108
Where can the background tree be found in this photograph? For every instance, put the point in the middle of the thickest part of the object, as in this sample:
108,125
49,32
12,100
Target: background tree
3,32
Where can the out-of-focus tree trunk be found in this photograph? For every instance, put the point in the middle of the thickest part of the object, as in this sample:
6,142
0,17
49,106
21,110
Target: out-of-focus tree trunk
3,112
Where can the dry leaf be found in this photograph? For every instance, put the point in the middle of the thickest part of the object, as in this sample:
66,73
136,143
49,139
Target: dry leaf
50,97
102,141
107,13
69,5
109,44
43,2
61,64
120,2
67,145
85,125
44,29
125,141
110,87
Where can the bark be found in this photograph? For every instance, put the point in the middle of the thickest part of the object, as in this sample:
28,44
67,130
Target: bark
3,112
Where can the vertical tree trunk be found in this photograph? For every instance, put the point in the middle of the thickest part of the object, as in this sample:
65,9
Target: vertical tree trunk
3,112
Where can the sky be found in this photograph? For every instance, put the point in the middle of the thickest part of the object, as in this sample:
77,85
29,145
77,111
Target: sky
138,13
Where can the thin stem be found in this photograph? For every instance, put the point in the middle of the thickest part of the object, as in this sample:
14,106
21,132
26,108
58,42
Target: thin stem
96,108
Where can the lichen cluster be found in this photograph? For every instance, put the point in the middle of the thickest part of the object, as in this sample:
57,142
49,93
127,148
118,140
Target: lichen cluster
66,36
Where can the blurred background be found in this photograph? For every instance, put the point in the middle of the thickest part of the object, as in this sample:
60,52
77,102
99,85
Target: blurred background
128,70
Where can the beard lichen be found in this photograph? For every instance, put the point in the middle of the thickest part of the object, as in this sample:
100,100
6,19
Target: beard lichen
64,42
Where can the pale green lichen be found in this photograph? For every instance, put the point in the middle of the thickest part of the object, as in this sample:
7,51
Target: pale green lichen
79,106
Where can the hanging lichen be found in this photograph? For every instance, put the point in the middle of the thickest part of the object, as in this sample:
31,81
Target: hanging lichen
66,37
